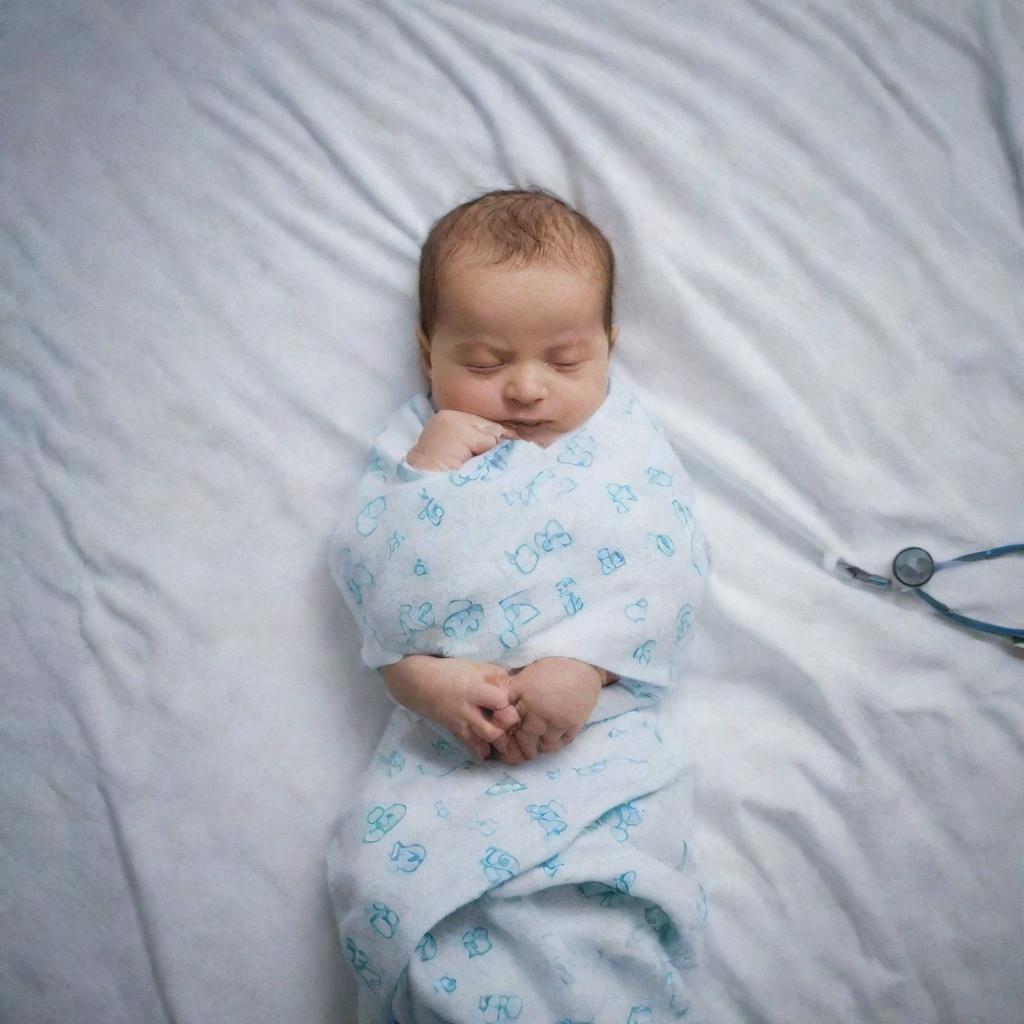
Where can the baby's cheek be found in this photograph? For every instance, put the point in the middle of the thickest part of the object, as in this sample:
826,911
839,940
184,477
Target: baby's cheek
476,395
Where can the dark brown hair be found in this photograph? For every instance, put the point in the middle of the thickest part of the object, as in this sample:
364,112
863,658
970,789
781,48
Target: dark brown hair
516,226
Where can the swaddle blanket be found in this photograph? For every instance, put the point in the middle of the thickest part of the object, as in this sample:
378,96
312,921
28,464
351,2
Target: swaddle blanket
589,549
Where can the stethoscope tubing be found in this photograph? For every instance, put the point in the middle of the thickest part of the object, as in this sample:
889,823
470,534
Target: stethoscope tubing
977,556
974,556
985,627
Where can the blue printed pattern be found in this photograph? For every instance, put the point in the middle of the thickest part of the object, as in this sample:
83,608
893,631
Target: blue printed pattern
556,536
589,549
362,966
476,942
454,973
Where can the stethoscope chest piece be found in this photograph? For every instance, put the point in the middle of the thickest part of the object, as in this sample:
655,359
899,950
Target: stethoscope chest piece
913,567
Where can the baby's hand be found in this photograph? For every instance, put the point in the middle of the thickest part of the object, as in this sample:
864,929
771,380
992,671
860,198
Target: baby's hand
451,438
456,694
554,698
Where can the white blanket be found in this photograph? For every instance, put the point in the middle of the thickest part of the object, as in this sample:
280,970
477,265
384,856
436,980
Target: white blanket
210,222
589,549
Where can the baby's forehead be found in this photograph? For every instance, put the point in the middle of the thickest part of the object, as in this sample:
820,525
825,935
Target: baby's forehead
558,308
460,265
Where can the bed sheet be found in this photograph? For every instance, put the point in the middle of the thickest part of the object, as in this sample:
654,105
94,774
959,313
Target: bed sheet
210,218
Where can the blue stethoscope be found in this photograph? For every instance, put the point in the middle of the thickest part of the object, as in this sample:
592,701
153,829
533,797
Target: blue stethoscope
912,568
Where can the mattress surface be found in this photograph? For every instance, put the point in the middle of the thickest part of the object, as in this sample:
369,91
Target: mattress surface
210,221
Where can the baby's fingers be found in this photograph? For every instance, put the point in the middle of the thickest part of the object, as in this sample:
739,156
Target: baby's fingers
494,427
488,695
505,718
507,747
552,742
527,744
487,435
534,726
482,727
479,747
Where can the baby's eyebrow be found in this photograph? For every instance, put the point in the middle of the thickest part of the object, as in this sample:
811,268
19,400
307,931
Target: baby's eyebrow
473,345
565,347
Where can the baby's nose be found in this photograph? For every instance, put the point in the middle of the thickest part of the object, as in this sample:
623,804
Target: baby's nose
525,387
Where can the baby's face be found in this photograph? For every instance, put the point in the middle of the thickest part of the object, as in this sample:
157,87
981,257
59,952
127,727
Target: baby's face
524,347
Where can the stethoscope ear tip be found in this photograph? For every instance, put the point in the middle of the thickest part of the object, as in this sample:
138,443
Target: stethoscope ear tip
830,560
835,563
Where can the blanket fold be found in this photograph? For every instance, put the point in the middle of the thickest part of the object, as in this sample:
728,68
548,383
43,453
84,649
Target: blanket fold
589,549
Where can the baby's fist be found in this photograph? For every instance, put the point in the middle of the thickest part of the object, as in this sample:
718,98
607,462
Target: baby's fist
451,438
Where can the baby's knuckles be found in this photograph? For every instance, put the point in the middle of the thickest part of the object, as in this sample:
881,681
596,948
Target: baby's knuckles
450,427
445,442
561,691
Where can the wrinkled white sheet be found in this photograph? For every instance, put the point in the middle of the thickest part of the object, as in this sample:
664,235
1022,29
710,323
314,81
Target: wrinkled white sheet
210,217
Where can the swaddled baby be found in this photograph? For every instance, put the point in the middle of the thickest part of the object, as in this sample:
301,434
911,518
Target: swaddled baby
524,566
515,337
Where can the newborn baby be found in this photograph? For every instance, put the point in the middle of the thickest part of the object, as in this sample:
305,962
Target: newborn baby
514,339
519,540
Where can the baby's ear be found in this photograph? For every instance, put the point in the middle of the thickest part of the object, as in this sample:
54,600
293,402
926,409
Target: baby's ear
613,334
424,350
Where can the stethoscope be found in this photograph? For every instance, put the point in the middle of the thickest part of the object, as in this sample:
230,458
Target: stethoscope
912,568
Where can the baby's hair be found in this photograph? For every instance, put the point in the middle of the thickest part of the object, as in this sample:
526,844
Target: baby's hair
518,227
